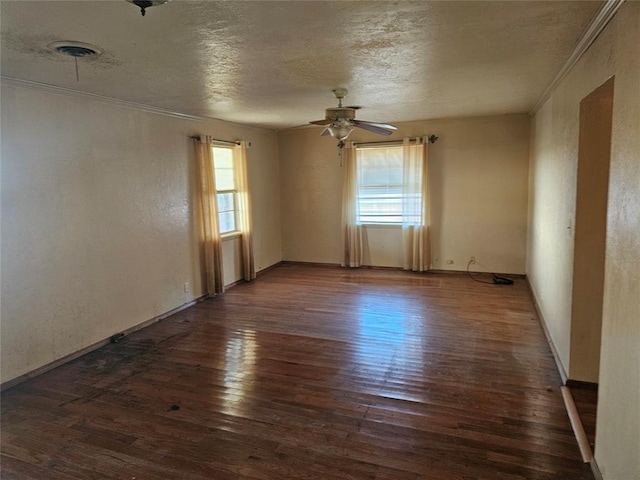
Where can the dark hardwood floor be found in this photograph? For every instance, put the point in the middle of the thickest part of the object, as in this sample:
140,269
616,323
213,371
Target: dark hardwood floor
309,373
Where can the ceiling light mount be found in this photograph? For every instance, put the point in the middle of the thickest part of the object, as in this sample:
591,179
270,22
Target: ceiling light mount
144,4
340,93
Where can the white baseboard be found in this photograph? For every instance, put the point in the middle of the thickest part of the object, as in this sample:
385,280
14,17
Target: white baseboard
543,323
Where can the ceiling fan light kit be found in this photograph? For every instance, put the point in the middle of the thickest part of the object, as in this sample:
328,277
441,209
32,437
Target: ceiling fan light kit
341,121
144,4
339,129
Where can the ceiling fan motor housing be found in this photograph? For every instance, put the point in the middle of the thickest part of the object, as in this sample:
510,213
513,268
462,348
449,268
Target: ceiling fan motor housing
340,112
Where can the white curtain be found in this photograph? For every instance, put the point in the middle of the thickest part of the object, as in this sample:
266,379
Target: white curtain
351,229
210,232
415,213
245,214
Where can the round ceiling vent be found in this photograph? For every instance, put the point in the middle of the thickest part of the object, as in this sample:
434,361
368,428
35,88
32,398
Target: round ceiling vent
75,49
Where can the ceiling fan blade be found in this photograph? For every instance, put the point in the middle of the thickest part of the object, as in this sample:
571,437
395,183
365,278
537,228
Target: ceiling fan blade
386,126
375,128
321,122
325,132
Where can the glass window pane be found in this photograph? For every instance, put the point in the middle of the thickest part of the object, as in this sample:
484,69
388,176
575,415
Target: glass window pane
223,164
226,211
227,221
223,157
226,202
224,179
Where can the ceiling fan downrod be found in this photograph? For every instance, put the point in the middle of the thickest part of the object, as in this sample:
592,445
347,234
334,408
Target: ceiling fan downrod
144,4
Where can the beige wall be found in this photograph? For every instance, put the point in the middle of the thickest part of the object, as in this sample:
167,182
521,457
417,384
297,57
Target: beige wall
478,180
552,192
550,246
98,220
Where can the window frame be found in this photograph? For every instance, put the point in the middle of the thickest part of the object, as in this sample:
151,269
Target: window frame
236,231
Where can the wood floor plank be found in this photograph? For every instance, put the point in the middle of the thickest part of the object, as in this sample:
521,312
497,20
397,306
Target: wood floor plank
309,372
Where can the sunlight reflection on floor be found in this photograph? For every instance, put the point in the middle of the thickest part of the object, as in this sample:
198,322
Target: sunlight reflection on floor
240,363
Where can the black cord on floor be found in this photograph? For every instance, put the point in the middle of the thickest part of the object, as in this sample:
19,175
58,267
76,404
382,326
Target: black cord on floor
475,279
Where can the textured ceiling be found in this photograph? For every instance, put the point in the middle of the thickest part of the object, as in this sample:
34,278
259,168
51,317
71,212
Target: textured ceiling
274,63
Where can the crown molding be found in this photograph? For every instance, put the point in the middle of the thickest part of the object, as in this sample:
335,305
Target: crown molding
44,87
597,24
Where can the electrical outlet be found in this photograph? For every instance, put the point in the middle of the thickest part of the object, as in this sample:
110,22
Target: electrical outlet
449,262
186,287
472,259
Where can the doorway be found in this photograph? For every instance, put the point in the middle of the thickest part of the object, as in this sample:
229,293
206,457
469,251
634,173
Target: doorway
594,149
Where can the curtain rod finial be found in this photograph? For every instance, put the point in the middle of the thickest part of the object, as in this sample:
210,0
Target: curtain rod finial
432,139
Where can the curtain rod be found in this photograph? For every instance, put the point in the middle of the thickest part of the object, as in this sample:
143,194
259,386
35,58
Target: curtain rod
431,139
197,137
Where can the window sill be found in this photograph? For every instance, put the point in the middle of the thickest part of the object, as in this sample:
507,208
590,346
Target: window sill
230,236
391,226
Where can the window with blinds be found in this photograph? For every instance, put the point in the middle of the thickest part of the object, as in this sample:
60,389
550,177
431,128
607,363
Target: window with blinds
380,184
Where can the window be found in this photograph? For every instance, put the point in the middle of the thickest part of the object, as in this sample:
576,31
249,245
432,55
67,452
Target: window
379,184
226,189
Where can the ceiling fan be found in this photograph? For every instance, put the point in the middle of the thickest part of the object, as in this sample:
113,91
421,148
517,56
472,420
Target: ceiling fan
341,120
